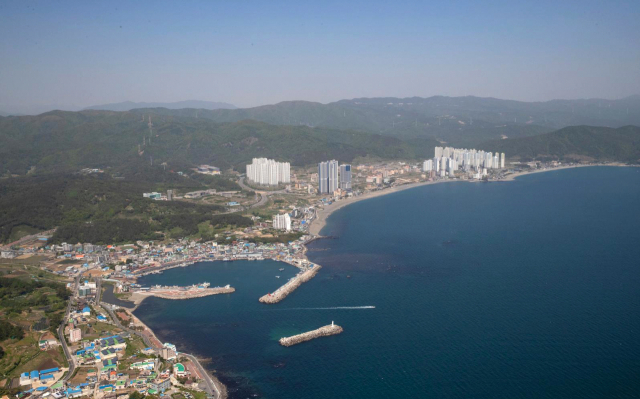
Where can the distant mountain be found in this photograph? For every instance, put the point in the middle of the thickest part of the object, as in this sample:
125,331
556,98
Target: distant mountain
2,113
129,105
60,141
584,143
460,121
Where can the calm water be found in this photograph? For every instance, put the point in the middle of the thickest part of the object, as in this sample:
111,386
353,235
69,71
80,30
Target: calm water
527,289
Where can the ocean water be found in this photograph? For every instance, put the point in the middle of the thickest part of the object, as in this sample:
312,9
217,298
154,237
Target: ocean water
523,289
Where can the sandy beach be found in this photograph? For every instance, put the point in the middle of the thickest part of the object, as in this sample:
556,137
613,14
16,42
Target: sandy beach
322,214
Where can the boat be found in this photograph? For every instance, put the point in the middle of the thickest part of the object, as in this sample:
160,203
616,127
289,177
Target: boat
281,269
277,276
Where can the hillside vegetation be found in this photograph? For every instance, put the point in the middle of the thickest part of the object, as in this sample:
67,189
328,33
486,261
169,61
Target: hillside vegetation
575,143
66,141
459,121
101,209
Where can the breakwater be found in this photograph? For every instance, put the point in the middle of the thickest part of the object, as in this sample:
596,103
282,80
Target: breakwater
290,286
325,331
138,296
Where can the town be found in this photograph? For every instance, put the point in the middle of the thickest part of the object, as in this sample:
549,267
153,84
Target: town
109,351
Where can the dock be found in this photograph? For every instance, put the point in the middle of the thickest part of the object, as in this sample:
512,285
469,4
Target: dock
325,331
290,285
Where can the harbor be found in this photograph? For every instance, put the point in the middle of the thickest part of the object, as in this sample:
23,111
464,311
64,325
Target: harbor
290,286
324,331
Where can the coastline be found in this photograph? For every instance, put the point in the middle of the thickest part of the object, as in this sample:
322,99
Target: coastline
323,214
319,222
218,387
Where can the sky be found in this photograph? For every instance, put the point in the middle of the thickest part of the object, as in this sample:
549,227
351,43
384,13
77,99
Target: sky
73,54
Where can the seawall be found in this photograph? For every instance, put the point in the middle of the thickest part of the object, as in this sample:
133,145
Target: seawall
325,331
290,285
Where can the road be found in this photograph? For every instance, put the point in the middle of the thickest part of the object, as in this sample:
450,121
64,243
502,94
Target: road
264,195
212,389
63,340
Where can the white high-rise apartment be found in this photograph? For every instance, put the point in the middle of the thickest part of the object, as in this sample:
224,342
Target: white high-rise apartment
427,166
466,159
268,172
282,222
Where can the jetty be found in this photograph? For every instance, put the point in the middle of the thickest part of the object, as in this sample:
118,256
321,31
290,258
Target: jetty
291,285
325,331
176,292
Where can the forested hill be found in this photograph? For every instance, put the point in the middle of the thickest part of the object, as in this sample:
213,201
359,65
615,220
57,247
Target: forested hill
460,121
60,141
575,143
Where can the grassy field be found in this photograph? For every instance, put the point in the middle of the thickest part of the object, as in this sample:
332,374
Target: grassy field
24,355
32,308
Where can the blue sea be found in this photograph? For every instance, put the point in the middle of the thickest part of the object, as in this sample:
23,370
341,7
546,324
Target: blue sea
522,289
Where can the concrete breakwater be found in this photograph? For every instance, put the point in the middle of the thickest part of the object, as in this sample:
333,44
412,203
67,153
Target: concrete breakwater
290,285
138,296
325,331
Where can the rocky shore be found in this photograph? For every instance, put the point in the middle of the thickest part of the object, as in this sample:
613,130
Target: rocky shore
290,286
325,331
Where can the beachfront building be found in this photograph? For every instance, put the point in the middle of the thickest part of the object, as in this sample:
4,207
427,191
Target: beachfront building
345,177
328,177
465,159
282,222
267,172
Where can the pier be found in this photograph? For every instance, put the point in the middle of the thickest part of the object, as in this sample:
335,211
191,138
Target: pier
290,285
325,331
175,292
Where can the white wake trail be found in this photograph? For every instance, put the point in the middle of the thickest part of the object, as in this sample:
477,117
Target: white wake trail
332,308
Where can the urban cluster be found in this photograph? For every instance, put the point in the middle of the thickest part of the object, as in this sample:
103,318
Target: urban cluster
447,160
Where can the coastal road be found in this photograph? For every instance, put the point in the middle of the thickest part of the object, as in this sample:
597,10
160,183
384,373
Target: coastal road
212,389
63,340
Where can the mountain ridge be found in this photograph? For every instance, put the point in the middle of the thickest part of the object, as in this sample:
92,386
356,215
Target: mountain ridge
129,105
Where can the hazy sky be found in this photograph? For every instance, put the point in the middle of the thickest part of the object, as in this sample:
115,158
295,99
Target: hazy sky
74,54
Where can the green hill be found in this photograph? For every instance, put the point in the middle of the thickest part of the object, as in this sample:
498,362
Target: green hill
459,121
575,143
101,209
61,141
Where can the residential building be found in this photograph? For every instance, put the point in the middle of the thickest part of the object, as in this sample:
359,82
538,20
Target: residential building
75,335
267,172
345,177
328,177
282,222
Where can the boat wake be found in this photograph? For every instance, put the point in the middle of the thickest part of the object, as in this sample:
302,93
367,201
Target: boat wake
331,308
